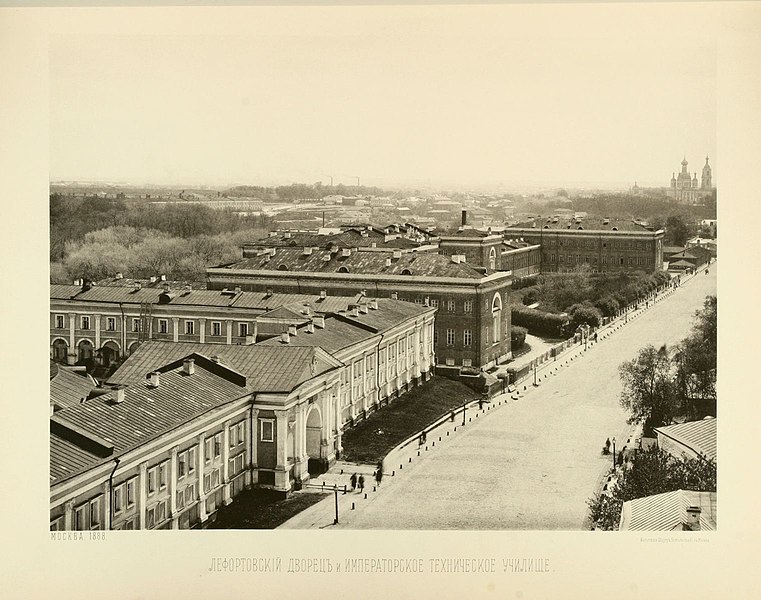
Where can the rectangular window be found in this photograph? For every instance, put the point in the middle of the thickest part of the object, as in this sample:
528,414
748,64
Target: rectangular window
232,436
241,432
190,493
131,493
181,499
110,324
216,328
189,327
435,303
85,322
95,513
162,475
161,515
56,524
118,499
218,445
467,337
450,337
418,300
152,480
207,482
215,478
450,362
467,362
268,430
562,256
450,306
150,518
182,464
191,460
80,518
242,329
59,321
163,326
207,449
435,337
135,325
552,257
468,306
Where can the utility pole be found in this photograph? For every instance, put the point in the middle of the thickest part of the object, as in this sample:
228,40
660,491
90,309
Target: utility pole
335,521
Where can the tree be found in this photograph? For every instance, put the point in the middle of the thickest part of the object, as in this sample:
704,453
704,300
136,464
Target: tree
677,231
648,388
652,471
584,314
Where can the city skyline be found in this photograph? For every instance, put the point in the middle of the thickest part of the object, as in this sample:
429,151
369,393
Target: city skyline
503,98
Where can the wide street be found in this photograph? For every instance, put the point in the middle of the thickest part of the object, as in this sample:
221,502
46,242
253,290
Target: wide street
529,463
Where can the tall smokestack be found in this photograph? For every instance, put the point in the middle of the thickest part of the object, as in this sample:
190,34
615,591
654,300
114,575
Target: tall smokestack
464,217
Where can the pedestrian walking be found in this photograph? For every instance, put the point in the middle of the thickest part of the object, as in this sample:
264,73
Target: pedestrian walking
379,474
361,483
451,416
353,481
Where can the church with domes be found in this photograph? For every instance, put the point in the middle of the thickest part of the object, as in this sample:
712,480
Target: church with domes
686,189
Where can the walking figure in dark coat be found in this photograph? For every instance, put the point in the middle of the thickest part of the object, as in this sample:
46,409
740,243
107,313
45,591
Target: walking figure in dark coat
353,482
361,483
379,472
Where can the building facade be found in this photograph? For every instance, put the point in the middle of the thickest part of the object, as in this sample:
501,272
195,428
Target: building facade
472,326
602,245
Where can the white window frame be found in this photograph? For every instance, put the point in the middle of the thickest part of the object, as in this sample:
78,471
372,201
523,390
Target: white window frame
152,476
118,493
135,325
62,319
182,465
83,320
216,328
468,306
94,507
451,306
190,327
241,432
163,325
467,337
82,509
451,337
241,327
217,445
191,460
163,470
110,323
271,424
208,447
130,486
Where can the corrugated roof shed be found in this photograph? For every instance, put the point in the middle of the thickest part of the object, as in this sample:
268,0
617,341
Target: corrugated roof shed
699,436
668,511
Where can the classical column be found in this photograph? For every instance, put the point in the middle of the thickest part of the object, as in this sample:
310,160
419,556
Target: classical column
252,428
173,489
68,516
201,490
352,398
202,330
142,494
106,506
281,467
363,379
72,327
226,497
97,332
300,456
176,329
229,325
336,398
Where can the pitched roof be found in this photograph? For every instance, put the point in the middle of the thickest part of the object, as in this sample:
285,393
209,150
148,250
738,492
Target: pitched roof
668,511
267,369
145,414
68,387
586,223
699,436
358,262
64,292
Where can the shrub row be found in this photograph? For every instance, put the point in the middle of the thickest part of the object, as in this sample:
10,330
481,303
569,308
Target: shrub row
538,322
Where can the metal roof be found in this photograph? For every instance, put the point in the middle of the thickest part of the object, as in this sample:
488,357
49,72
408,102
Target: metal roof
278,370
358,262
699,436
668,511
67,387
66,458
145,414
336,336
64,292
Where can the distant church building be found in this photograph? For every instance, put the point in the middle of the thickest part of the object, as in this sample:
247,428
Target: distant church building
685,189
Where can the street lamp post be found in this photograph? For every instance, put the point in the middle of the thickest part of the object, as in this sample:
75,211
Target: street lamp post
614,452
535,374
463,412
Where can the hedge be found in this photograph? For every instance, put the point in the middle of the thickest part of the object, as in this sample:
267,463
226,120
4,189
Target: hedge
517,337
538,322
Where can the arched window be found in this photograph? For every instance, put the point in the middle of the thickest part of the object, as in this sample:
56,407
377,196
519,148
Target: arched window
492,258
496,314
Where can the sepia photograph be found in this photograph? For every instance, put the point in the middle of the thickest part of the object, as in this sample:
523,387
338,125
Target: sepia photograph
437,284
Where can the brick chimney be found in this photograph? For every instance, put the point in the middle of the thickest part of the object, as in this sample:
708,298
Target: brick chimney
154,379
188,366
464,218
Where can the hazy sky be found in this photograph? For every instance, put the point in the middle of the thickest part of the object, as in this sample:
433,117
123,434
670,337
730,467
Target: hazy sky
443,95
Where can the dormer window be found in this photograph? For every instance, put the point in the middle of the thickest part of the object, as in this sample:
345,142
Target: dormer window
282,267
343,269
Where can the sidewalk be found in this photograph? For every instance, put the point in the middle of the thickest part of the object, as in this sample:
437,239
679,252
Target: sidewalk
408,452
